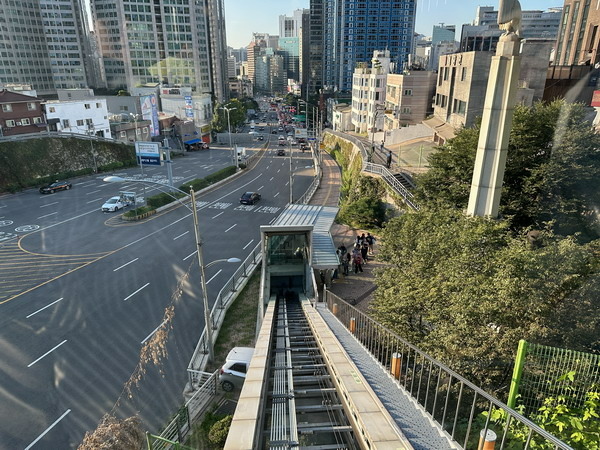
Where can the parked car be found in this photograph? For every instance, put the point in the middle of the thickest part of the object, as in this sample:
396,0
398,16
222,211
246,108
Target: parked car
114,204
249,198
56,186
233,372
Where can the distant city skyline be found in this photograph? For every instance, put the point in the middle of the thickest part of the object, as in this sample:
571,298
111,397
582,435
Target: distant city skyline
242,19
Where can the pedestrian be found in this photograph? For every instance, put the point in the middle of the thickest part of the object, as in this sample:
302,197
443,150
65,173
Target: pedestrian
358,241
357,261
363,252
388,163
347,259
370,242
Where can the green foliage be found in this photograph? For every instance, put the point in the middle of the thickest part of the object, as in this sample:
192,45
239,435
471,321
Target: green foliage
34,162
158,200
138,211
123,93
578,427
363,213
465,290
201,436
237,115
218,432
552,170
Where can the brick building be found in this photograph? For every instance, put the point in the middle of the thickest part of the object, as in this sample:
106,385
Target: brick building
20,114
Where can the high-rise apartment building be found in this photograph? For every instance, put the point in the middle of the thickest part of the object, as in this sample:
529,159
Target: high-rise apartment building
174,42
578,41
443,33
42,44
291,26
351,30
291,41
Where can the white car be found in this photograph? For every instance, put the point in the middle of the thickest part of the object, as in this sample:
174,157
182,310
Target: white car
253,132
114,204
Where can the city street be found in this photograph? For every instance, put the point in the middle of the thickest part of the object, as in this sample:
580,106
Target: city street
82,291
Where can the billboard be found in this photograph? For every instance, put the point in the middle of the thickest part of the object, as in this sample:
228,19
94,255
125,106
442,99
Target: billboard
189,107
301,133
150,112
148,153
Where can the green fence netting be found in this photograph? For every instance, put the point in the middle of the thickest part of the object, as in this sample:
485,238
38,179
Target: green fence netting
538,368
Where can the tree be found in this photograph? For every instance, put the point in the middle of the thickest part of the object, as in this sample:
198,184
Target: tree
465,290
237,115
115,434
552,170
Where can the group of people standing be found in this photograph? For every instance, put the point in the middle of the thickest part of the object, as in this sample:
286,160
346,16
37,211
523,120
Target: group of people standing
358,255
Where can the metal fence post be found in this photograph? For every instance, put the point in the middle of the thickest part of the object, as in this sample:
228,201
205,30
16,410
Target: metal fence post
517,372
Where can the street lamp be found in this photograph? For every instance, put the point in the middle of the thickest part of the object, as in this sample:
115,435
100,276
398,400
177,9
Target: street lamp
378,109
207,319
229,127
135,119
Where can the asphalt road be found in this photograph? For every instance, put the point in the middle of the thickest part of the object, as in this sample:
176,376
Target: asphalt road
84,290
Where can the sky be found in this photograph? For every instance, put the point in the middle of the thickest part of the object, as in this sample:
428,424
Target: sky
245,17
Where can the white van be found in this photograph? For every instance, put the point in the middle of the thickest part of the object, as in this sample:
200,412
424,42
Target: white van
233,372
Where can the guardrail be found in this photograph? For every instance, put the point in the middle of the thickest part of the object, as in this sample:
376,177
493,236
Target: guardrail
181,425
305,198
222,303
56,134
379,169
462,409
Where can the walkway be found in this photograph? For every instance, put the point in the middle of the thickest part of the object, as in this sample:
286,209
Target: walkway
358,289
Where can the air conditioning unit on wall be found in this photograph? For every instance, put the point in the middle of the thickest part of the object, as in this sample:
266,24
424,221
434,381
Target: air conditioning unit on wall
18,124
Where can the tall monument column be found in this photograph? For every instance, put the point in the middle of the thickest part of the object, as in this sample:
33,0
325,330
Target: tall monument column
496,122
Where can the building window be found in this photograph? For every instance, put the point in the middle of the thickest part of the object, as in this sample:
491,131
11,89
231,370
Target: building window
138,131
145,130
463,74
88,106
25,121
7,107
445,73
123,134
79,122
66,123
461,107
407,91
89,122
37,120
51,109
10,123
31,106
98,105
405,110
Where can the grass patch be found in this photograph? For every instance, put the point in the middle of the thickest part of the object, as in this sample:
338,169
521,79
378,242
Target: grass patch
239,325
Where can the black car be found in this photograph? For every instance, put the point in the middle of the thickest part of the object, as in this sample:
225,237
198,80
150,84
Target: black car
280,152
56,186
261,138
249,198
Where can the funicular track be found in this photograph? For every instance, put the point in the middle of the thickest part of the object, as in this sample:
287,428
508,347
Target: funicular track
303,409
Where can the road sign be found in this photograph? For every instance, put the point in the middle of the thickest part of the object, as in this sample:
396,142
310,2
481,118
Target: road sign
148,153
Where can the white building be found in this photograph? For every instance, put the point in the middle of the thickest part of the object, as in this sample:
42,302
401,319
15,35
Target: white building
341,117
88,117
192,107
368,92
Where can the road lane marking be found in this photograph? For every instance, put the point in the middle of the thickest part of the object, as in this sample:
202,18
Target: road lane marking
189,256
248,244
211,278
276,195
41,309
182,234
232,226
187,171
93,192
155,330
214,217
95,200
49,204
126,264
278,170
260,188
131,295
271,179
47,353
287,183
48,429
48,215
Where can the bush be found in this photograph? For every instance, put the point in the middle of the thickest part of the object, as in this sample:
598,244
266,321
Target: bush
138,211
156,201
366,212
218,432
201,183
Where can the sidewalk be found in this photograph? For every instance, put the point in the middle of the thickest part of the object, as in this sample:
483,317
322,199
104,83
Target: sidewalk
356,289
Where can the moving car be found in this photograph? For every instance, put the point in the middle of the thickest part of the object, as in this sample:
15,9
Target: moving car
56,186
233,372
253,132
281,152
260,137
114,204
249,198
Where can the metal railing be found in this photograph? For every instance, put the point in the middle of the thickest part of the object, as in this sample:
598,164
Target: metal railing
379,169
56,134
462,409
181,425
222,303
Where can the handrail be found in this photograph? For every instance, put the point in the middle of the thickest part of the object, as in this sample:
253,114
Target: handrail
451,400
